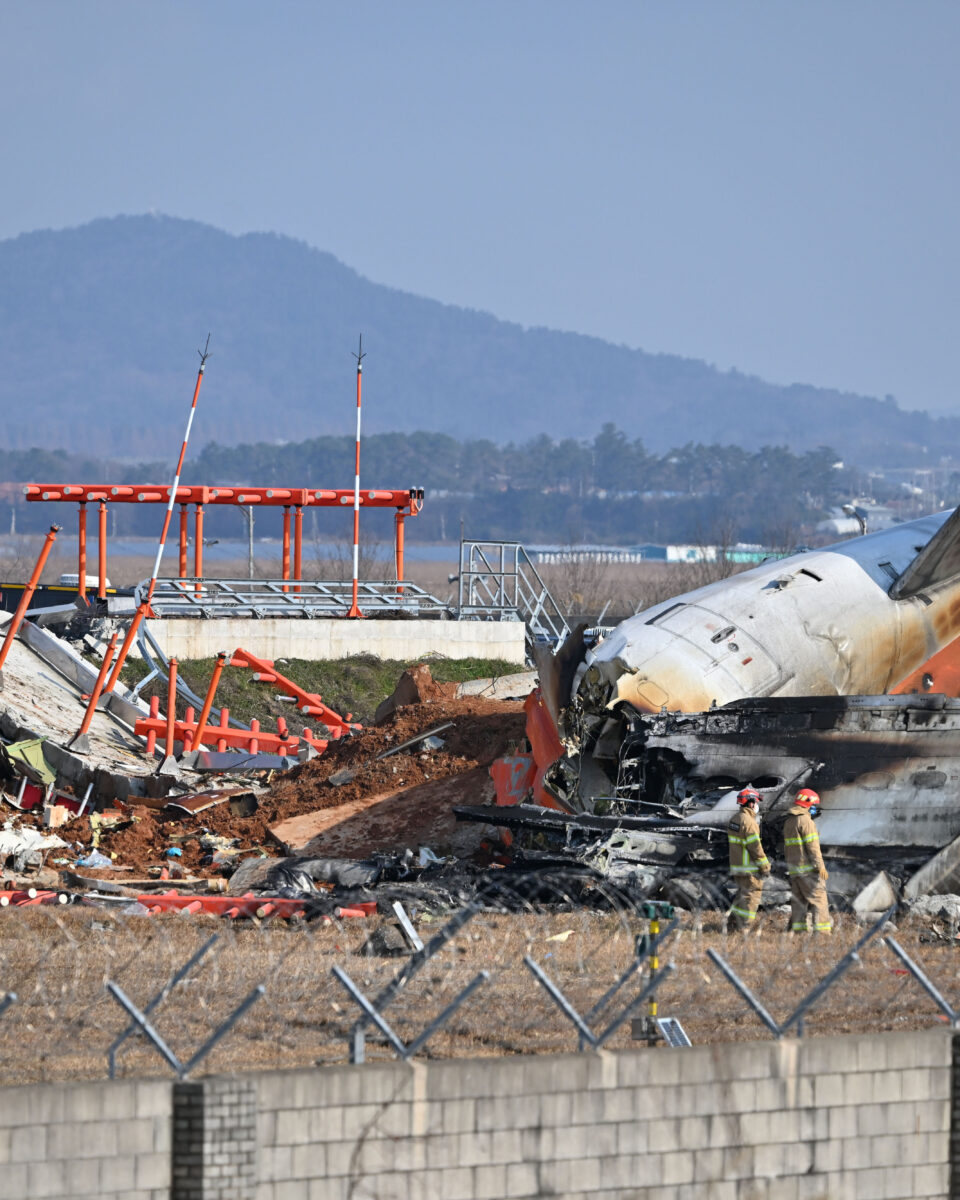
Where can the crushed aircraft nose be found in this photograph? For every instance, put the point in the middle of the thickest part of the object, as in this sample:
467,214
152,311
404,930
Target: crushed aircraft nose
839,621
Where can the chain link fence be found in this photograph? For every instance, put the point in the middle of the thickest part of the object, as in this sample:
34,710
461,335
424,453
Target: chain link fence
511,973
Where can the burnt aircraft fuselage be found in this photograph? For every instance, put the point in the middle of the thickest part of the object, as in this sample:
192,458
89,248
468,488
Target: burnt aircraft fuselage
886,767
827,622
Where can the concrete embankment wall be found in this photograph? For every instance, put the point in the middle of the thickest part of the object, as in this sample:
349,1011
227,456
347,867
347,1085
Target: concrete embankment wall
321,638
845,1118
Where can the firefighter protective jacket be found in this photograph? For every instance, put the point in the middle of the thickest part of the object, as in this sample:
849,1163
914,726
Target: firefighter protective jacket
801,842
746,852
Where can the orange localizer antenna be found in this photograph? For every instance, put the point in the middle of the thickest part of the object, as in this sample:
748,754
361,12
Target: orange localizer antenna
144,607
354,610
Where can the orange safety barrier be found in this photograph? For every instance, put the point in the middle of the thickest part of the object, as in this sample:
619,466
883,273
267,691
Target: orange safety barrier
308,703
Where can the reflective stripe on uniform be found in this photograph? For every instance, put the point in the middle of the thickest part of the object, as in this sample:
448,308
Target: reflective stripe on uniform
799,927
823,926
747,865
744,913
802,869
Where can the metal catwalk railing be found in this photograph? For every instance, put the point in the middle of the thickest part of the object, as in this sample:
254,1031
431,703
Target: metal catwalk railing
286,598
498,582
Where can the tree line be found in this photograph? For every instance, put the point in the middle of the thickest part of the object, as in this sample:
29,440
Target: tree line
606,489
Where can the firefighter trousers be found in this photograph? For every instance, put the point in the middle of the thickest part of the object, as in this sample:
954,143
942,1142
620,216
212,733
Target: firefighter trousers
749,891
809,895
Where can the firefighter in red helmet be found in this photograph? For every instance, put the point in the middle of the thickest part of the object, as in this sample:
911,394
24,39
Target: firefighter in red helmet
808,875
748,863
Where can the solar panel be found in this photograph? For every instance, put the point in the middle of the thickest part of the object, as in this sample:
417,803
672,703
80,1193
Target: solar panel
673,1032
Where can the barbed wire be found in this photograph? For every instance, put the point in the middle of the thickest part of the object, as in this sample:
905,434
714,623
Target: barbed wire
581,932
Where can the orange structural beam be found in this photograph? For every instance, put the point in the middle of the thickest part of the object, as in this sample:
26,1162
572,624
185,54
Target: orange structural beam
307,702
410,499
102,551
252,739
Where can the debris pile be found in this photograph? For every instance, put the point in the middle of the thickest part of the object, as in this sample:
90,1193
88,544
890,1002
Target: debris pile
386,790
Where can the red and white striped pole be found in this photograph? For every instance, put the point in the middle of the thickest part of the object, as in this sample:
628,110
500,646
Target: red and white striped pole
144,607
354,610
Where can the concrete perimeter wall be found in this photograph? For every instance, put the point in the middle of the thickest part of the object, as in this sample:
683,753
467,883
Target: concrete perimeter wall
107,1139
846,1118
323,638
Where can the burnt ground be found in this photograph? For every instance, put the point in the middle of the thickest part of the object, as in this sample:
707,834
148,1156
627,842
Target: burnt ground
59,960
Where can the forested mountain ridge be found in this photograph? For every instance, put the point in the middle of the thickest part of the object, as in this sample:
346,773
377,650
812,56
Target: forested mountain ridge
99,326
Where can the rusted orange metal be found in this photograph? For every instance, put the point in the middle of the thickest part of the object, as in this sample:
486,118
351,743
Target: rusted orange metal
545,744
513,777
518,775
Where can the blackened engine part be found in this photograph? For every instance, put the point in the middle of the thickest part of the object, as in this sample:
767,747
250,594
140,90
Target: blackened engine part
294,877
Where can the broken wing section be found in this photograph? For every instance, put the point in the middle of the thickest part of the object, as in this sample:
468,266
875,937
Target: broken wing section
938,562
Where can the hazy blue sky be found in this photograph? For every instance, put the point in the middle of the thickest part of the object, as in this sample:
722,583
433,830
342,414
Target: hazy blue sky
771,186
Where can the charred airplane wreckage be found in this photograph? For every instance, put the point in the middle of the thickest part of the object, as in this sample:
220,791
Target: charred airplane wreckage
831,669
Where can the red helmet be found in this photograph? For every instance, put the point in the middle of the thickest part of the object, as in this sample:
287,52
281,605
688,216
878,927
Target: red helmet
749,795
806,797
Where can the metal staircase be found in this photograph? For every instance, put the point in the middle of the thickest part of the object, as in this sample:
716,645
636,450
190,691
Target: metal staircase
498,582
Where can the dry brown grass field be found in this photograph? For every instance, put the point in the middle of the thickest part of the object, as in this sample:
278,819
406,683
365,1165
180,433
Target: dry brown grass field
59,960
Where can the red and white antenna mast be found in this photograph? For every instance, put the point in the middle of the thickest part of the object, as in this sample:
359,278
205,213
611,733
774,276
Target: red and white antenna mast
144,607
354,610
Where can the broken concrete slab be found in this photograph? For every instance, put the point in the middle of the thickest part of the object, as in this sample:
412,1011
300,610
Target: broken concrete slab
500,687
879,895
415,686
939,876
945,907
